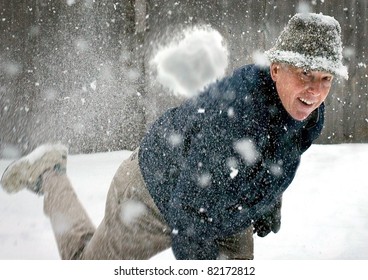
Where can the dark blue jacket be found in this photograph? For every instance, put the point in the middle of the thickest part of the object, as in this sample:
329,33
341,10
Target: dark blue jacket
219,161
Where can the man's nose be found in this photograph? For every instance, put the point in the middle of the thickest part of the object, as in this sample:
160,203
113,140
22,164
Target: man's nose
315,87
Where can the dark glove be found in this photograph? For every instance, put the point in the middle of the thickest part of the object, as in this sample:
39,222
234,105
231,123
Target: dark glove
270,221
186,248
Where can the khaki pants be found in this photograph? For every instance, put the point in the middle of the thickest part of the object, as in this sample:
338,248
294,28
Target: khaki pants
132,227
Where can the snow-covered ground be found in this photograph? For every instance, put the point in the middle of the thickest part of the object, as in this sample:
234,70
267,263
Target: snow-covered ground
325,210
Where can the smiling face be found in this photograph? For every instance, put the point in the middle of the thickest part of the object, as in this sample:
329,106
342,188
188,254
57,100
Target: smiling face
300,91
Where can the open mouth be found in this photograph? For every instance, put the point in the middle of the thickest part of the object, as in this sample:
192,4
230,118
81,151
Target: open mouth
306,102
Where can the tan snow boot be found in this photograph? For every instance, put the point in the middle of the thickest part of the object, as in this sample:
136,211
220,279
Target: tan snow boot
27,171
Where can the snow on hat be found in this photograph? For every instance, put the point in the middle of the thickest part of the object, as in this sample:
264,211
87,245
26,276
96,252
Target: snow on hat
311,41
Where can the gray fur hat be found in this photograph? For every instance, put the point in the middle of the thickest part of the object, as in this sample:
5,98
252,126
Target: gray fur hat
311,41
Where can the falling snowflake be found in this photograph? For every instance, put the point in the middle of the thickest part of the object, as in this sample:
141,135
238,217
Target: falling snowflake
247,150
131,210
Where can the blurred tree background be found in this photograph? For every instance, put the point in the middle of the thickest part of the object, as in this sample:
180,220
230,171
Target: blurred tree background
77,71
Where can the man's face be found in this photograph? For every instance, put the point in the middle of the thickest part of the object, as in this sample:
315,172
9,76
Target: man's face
301,91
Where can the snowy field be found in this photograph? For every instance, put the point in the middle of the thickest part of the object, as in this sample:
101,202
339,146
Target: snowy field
324,215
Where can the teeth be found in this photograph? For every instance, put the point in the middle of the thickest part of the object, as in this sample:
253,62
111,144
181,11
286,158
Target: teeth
306,101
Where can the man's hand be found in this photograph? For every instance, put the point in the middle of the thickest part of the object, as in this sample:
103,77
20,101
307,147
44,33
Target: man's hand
270,221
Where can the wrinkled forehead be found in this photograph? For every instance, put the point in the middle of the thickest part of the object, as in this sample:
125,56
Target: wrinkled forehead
302,69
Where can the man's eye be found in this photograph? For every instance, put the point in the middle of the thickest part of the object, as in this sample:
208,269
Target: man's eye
306,72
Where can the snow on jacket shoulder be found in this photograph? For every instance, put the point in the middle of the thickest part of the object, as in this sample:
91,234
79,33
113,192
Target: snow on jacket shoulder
218,161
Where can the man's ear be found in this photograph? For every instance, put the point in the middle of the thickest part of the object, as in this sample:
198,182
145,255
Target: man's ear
274,70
